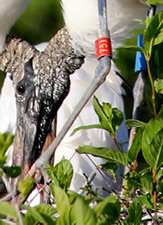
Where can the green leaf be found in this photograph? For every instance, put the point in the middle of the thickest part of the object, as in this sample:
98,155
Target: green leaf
103,117
61,198
147,180
109,167
159,174
159,38
25,186
3,223
98,126
131,47
74,195
6,140
12,171
153,2
110,118
158,84
29,219
152,144
81,214
108,208
8,210
147,200
48,219
2,162
153,33
64,218
45,210
117,118
134,213
136,146
61,173
134,123
37,216
160,116
110,154
133,179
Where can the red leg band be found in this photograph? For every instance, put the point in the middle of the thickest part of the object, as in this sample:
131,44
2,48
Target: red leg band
103,47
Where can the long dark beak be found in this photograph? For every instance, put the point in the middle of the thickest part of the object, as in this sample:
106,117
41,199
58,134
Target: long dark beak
35,113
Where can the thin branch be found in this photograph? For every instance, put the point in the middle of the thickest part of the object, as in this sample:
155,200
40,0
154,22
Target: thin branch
153,90
7,197
116,143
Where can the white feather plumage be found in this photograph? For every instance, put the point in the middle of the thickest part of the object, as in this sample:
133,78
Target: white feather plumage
81,18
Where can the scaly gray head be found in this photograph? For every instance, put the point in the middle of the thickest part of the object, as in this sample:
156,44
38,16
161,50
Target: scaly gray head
41,82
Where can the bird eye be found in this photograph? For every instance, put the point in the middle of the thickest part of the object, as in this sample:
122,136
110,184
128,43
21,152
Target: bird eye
20,89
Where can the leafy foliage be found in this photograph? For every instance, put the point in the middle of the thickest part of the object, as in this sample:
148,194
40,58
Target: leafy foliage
152,143
109,154
25,186
134,213
61,174
159,86
6,140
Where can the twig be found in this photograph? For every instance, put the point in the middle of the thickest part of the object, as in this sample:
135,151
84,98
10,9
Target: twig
153,90
16,204
116,143
102,174
143,206
7,197
154,191
19,214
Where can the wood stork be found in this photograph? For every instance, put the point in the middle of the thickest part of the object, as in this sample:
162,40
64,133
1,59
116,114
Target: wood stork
82,23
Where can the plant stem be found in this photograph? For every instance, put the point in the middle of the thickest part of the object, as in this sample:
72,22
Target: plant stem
115,141
154,191
152,86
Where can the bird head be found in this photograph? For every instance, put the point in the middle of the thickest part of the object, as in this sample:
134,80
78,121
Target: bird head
41,83
36,109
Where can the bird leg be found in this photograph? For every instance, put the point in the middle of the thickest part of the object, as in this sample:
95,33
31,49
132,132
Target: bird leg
140,84
103,54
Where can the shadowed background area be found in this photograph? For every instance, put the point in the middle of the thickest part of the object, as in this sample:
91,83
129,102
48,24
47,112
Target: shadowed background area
40,21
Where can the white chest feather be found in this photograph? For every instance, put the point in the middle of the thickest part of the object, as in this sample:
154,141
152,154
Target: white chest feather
81,18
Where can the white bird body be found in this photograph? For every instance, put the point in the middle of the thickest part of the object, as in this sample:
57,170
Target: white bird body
10,10
81,18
